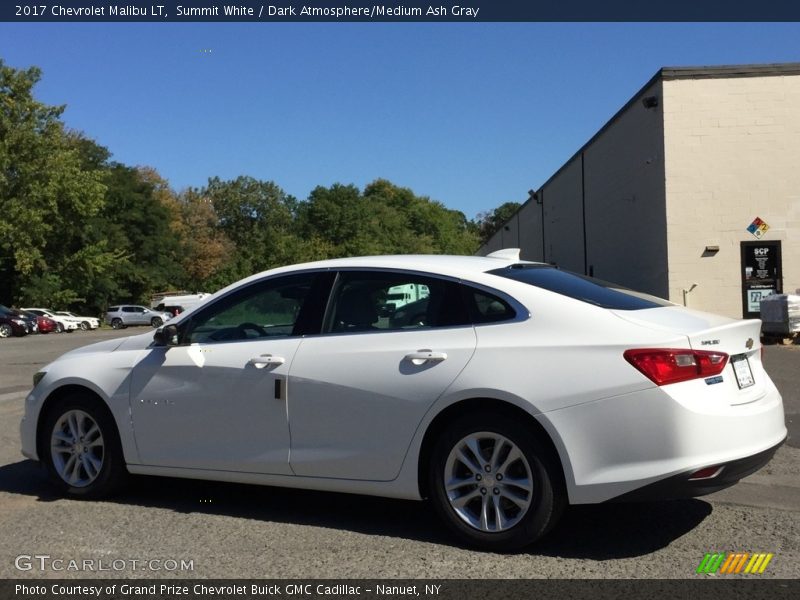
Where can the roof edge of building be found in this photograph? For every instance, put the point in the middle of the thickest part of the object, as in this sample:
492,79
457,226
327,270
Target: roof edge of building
671,74
728,71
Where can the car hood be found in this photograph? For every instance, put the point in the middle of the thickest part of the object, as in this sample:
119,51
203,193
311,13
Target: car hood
135,342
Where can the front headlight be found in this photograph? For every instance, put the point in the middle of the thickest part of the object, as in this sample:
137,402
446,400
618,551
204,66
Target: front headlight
38,376
19,321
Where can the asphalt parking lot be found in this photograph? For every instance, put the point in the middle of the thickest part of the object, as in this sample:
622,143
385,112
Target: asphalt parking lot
227,530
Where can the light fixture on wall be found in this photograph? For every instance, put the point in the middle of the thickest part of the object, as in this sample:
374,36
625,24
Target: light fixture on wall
533,195
711,249
650,101
687,292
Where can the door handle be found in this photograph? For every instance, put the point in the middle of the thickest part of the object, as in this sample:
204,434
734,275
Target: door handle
420,357
259,362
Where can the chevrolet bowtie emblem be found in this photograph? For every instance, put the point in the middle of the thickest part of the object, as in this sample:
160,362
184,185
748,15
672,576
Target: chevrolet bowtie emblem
749,343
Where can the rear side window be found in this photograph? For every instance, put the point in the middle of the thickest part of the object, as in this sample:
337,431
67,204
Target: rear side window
580,287
487,308
375,301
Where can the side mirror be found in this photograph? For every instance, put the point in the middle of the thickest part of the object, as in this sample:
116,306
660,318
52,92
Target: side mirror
166,335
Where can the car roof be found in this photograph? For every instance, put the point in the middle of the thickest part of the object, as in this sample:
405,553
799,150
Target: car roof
436,263
443,264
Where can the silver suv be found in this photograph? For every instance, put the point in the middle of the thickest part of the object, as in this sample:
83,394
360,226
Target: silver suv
131,314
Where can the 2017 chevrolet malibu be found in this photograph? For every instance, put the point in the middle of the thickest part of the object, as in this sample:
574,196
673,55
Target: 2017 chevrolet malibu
499,389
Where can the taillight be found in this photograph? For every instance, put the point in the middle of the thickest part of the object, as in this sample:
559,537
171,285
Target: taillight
669,365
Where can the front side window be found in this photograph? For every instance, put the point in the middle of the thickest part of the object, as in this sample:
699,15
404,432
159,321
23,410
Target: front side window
267,309
377,301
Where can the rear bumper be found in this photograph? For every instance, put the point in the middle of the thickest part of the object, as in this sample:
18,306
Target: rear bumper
684,486
617,446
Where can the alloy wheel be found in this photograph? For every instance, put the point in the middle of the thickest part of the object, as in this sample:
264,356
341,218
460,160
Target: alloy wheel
77,448
488,481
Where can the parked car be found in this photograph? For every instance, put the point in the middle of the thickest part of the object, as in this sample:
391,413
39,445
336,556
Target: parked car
30,319
84,323
11,323
46,324
124,315
519,389
63,324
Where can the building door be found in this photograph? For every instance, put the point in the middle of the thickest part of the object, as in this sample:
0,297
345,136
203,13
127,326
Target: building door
761,275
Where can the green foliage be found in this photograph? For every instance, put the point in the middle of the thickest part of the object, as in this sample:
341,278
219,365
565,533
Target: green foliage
47,194
384,219
490,222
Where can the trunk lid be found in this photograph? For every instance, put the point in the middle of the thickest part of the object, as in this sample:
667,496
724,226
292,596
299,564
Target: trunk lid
743,377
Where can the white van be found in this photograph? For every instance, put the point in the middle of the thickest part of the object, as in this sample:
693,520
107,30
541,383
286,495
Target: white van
178,303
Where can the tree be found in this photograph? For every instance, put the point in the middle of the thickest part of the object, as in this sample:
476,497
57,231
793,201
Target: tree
490,222
136,225
258,218
204,246
47,195
384,219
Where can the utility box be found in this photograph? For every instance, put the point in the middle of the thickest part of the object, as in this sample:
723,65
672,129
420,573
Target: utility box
780,314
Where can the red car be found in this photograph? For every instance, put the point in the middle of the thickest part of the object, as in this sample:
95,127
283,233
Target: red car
46,324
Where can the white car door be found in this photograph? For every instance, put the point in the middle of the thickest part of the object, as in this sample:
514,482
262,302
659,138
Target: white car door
218,400
359,391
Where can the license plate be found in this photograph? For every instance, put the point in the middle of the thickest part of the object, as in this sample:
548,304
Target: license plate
744,375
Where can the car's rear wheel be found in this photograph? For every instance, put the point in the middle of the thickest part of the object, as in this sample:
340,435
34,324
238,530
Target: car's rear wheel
5,330
493,484
80,447
117,323
156,321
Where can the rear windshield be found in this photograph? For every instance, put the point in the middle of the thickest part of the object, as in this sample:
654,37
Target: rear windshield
580,287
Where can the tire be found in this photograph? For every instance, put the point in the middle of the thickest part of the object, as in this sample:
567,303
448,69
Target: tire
527,509
6,330
85,325
117,323
156,322
60,328
79,444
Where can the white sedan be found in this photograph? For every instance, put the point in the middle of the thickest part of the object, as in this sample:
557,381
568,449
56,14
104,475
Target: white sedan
502,390
85,323
63,323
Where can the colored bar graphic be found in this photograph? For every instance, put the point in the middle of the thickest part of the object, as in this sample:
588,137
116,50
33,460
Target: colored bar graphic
734,562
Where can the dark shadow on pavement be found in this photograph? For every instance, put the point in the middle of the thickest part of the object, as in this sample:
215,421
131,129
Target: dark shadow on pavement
609,531
599,532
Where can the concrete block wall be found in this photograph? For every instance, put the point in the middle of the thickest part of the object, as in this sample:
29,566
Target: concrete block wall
732,153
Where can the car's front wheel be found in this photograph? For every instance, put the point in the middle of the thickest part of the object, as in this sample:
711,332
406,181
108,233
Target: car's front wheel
85,325
117,323
81,449
156,322
60,328
493,484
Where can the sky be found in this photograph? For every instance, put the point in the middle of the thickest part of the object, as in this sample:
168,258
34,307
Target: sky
470,114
